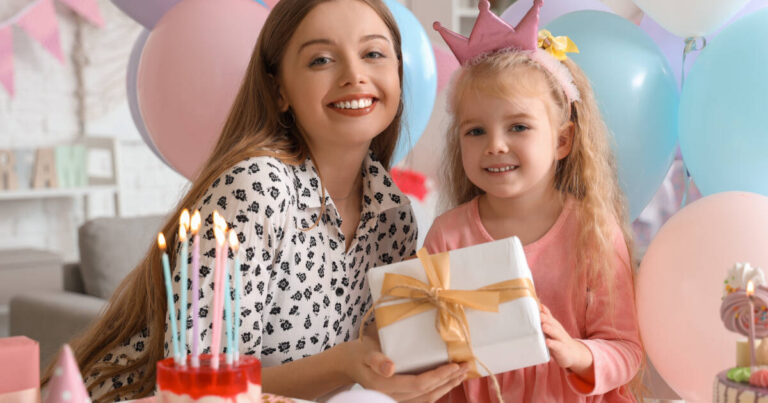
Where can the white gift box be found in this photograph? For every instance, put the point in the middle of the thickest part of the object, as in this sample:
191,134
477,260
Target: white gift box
505,340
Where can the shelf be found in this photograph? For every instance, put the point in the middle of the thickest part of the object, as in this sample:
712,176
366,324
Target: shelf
57,193
467,12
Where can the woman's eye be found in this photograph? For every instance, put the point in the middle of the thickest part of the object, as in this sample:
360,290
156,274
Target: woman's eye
319,61
518,128
374,55
477,131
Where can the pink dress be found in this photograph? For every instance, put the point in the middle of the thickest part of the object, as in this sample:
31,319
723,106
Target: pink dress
610,332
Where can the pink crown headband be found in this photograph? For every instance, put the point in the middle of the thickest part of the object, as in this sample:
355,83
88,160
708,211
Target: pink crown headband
492,34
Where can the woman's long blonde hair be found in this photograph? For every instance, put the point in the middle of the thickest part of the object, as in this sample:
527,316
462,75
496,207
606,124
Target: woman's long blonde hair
255,127
587,174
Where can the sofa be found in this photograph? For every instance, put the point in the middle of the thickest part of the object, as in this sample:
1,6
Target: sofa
109,249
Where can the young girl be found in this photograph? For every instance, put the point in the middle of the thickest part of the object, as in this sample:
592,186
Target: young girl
299,172
528,155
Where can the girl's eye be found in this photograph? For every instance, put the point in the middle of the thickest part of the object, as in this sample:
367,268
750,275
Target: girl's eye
476,131
374,55
518,128
319,61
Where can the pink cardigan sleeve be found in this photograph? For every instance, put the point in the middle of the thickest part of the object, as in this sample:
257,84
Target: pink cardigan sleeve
612,333
434,241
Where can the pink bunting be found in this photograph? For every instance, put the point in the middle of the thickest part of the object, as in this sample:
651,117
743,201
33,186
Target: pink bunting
271,3
6,59
88,9
41,24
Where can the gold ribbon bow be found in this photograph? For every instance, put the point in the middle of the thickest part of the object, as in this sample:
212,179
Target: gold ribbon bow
556,46
450,320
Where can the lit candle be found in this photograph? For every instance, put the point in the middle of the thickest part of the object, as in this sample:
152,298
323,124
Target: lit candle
750,292
218,270
169,296
228,306
195,227
183,228
234,244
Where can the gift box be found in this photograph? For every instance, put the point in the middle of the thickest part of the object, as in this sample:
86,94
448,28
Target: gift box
19,370
470,304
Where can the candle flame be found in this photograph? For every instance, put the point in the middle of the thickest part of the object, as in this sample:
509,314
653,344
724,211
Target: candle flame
161,241
750,288
218,220
219,234
219,228
233,242
182,233
195,225
184,219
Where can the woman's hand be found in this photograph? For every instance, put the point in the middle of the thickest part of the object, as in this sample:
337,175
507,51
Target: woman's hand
567,352
370,368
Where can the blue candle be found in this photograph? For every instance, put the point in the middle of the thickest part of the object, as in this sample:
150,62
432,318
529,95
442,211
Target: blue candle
169,295
235,245
183,227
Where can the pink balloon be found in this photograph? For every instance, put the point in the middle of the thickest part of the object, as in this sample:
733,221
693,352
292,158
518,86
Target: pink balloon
446,65
680,286
190,70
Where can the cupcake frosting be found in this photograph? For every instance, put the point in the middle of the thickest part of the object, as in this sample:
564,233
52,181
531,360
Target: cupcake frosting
759,378
740,274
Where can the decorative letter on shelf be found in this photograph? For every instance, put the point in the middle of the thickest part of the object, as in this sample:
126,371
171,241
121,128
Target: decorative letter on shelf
8,180
45,169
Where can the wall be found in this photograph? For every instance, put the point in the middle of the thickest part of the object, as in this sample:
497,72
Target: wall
56,104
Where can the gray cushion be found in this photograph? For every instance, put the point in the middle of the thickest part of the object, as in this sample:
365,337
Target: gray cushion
111,247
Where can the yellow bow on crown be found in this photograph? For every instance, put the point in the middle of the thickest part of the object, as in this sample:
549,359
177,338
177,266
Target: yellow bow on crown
556,46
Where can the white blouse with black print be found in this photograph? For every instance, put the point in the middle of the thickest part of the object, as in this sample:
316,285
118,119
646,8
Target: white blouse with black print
303,292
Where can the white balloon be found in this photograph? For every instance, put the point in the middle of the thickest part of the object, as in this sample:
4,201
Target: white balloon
626,9
361,396
691,18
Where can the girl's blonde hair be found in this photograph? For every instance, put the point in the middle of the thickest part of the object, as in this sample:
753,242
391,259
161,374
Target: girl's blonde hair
255,127
588,173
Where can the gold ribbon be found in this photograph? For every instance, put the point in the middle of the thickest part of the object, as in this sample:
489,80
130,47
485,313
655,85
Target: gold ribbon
450,320
556,46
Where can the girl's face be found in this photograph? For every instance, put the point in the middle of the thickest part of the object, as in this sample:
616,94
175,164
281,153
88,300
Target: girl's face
510,146
340,75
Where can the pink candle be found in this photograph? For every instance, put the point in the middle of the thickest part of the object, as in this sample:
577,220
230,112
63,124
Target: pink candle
750,292
219,228
195,227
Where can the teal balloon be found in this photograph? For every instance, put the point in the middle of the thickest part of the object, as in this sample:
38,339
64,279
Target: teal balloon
419,78
724,110
637,95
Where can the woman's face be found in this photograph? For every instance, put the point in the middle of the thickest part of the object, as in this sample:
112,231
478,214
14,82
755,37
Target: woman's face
340,75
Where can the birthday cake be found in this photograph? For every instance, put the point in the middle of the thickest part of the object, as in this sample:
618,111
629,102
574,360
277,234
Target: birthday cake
239,382
745,311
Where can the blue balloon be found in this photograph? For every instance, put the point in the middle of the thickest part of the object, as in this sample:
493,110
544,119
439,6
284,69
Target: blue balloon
419,78
637,95
723,110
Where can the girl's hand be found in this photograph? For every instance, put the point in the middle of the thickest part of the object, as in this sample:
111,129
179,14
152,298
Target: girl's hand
366,365
567,352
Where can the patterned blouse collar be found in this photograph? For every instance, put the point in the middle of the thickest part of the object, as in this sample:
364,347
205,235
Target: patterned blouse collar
379,190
